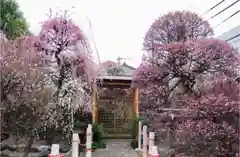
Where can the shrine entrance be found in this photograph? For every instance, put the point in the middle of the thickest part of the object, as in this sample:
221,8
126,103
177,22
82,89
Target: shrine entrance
115,104
116,115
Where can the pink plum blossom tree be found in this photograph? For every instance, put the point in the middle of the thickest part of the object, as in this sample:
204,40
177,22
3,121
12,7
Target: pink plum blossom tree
178,66
25,96
176,26
44,77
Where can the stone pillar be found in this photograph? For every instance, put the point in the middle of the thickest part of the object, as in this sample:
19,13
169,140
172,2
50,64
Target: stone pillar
95,109
136,102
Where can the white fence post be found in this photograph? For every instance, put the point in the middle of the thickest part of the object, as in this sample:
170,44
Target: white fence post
89,141
140,135
151,143
145,139
90,128
54,150
154,151
75,144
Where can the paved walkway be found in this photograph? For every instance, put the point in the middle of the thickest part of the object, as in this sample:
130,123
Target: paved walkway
115,148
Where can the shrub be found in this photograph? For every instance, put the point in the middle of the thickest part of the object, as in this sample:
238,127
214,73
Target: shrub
99,145
134,131
134,144
97,133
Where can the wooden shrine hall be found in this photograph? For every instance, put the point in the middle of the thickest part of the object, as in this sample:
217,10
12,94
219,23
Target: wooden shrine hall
115,104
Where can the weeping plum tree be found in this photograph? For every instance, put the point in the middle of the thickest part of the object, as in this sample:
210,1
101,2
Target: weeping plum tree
63,41
180,62
68,55
46,76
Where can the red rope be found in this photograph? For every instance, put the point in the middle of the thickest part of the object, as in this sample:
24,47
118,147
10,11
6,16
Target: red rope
58,155
88,149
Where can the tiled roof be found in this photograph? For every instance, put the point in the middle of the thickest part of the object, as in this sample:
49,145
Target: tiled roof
107,64
126,70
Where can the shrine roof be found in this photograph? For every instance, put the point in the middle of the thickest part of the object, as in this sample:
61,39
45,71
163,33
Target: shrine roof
111,70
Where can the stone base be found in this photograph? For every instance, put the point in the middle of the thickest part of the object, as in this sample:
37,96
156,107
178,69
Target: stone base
139,152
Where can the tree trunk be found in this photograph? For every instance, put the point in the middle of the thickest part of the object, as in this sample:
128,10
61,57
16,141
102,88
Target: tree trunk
171,137
50,134
28,146
50,139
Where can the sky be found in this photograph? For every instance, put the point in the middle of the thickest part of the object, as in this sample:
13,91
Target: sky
118,27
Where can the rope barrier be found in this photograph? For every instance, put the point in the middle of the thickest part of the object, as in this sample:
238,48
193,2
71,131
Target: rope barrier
152,150
74,152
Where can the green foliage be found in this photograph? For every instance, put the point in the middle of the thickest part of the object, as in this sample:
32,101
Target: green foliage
12,22
99,145
145,121
79,124
81,119
134,144
134,131
98,141
95,146
97,133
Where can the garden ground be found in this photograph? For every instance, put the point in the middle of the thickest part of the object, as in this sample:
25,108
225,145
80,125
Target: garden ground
115,148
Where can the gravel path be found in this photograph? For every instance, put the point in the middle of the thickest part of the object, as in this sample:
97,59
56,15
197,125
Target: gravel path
115,148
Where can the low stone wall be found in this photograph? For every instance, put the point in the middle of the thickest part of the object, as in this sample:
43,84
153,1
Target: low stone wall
14,146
